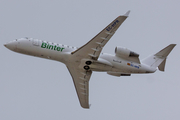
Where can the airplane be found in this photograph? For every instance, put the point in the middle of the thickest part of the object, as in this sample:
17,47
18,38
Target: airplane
82,61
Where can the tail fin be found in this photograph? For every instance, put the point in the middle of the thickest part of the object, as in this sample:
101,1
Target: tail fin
159,59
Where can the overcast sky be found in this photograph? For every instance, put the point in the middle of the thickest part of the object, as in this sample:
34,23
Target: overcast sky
39,89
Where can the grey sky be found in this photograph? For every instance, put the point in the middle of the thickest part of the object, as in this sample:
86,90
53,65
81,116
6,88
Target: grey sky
39,89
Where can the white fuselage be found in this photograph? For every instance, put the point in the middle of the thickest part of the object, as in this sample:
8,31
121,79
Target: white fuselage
62,53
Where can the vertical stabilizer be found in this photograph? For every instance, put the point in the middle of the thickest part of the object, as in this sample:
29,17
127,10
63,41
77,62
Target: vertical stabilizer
159,59
162,65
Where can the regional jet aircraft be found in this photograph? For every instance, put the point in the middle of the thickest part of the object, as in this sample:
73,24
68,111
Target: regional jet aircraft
81,62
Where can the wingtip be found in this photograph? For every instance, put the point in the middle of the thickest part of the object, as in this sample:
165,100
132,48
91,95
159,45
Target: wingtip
127,13
174,44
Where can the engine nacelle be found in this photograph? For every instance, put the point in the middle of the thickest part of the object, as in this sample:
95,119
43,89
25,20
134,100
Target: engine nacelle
124,52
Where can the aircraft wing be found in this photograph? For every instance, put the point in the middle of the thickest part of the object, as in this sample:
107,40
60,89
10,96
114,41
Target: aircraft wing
93,48
90,50
81,82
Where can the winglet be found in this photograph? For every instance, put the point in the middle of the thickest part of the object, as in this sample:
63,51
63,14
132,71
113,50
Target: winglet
127,13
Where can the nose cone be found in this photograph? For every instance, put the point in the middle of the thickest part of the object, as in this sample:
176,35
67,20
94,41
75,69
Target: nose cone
10,45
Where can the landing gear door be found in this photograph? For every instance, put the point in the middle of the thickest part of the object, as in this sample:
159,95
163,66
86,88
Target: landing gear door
35,42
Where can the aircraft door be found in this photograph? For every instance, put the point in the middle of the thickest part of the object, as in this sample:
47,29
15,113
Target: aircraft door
35,42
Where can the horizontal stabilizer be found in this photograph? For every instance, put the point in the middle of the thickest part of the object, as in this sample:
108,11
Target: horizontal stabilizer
165,52
159,59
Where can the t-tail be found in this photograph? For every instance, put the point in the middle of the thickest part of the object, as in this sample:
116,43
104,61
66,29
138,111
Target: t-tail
159,59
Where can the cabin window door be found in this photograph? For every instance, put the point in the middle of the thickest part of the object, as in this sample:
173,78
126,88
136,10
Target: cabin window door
35,42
